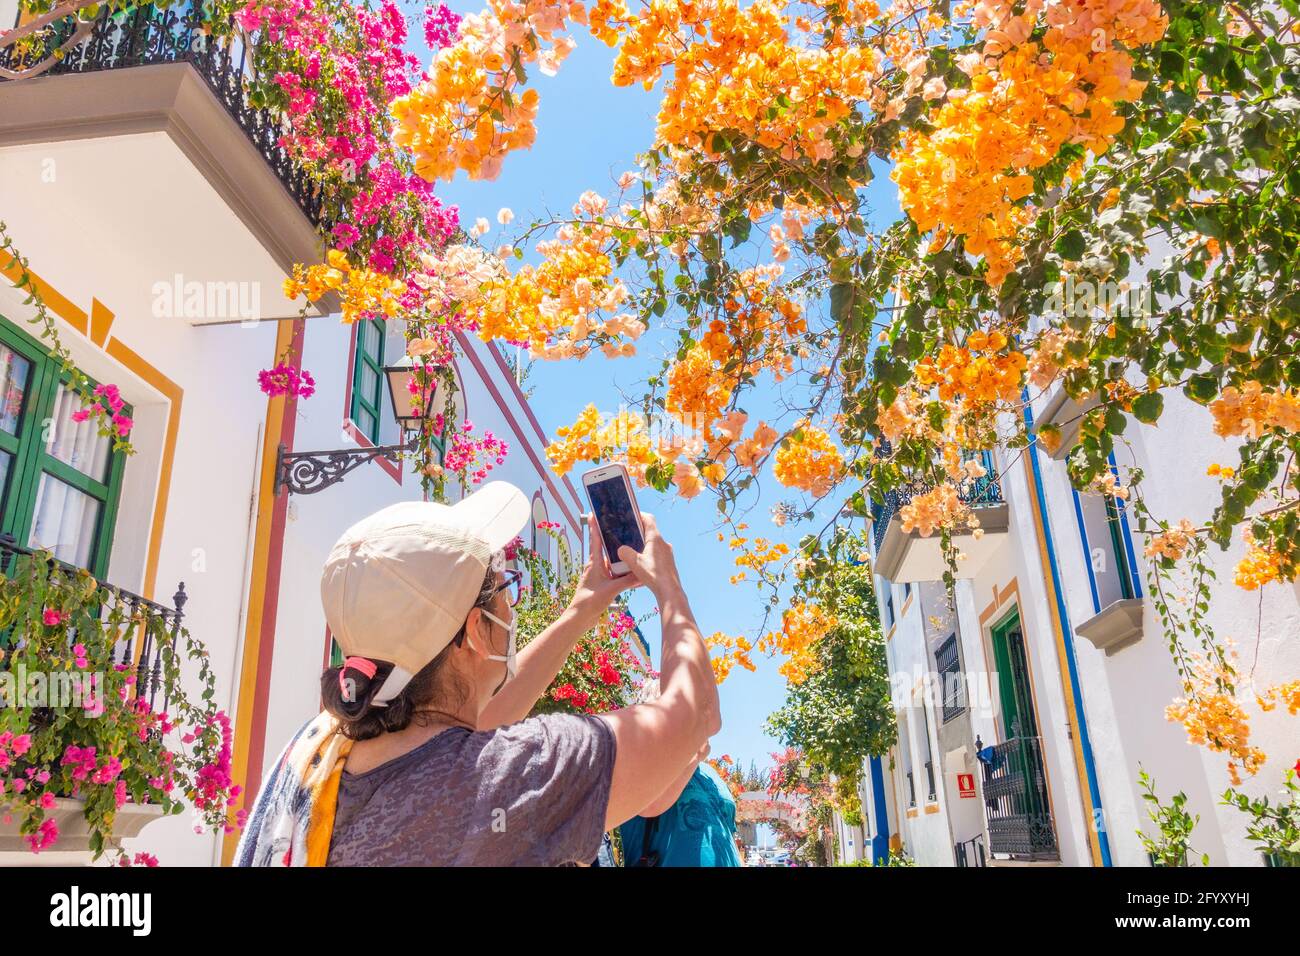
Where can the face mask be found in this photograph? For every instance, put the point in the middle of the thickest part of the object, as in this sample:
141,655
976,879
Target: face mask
511,646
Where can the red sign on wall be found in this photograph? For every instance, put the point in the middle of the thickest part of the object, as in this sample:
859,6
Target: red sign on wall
966,786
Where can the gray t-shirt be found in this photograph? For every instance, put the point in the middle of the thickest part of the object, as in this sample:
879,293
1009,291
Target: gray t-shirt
530,794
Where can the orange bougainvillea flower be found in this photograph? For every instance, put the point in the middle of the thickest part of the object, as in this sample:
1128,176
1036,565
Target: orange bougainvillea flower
698,389
1172,544
1213,716
470,110
726,62
978,372
803,626
1262,565
809,460
1251,411
938,509
1027,99
363,292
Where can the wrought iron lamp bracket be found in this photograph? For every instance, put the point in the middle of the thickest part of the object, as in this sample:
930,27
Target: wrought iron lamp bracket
307,472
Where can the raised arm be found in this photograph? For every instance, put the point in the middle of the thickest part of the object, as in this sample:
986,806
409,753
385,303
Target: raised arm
542,659
665,800
658,740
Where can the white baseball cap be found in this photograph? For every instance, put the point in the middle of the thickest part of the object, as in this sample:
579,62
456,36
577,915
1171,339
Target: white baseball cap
398,585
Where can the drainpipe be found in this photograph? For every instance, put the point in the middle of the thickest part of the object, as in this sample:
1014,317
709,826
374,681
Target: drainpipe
1067,642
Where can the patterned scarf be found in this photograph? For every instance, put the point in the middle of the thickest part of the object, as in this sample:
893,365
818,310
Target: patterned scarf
292,819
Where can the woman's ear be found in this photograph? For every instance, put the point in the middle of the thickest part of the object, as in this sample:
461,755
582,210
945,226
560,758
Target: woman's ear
474,632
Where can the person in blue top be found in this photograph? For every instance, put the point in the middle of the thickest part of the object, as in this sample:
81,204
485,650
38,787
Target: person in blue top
698,828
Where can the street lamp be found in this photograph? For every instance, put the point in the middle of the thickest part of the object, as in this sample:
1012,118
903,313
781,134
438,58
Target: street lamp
307,472
412,402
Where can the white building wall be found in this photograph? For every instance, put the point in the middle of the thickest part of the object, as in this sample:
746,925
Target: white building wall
1126,693
922,826
207,524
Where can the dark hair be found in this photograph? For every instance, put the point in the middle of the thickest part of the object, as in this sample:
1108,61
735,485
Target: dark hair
433,684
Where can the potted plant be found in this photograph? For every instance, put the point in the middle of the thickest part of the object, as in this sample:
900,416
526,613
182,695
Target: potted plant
1275,828
88,755
1173,846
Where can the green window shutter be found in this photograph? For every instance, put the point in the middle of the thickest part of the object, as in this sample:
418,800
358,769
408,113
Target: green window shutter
50,467
368,378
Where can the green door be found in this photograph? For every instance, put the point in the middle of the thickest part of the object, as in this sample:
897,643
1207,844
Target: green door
1027,811
1014,691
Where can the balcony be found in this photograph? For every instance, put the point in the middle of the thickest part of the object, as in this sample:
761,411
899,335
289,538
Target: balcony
142,655
907,557
1016,803
141,135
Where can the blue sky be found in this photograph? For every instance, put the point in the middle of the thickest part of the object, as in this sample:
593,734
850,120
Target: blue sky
588,134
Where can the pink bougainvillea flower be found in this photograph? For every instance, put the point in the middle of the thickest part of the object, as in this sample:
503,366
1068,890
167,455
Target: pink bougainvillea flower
45,836
51,617
284,379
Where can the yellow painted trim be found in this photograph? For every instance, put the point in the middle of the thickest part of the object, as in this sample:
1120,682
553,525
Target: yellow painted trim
96,327
1081,771
907,603
257,591
54,300
129,359
101,320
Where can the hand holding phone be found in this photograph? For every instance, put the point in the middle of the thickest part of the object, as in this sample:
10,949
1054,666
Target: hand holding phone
609,489
654,565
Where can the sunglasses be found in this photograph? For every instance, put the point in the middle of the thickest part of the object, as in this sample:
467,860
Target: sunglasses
512,586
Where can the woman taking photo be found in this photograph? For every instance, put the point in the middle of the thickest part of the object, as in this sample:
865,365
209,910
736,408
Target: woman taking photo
424,754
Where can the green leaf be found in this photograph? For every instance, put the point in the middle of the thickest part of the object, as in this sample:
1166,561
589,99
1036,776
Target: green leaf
1202,388
841,300
1147,407
1071,246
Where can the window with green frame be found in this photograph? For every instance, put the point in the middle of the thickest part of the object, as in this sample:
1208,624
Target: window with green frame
368,378
60,480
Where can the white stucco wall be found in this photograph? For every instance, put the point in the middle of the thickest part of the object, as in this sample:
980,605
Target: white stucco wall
1126,693
206,529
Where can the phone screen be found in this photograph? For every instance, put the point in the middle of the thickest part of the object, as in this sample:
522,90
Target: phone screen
612,506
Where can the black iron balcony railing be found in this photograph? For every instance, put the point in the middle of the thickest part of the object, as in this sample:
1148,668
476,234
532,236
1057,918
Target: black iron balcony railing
976,492
1016,801
139,651
145,35
969,853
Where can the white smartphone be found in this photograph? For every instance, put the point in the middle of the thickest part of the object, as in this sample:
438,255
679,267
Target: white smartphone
609,489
